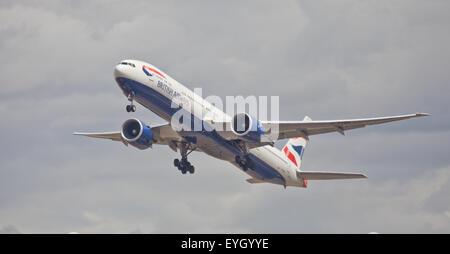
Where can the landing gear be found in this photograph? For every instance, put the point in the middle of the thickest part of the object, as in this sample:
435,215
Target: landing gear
131,107
184,165
243,161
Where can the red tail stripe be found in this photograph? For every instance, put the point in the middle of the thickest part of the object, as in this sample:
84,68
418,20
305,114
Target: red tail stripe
292,158
290,155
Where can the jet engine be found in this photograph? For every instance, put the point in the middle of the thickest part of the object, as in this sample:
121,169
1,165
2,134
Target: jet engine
137,134
247,127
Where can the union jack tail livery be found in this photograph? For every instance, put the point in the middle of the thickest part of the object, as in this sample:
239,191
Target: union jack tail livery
294,150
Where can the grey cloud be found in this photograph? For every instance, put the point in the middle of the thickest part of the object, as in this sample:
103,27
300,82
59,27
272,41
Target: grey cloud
9,229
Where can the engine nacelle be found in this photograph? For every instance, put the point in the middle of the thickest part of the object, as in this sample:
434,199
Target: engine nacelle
137,134
247,127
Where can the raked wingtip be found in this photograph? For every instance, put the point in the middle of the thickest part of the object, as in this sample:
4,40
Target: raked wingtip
423,114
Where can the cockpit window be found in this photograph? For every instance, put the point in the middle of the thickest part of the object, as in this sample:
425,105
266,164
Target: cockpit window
130,64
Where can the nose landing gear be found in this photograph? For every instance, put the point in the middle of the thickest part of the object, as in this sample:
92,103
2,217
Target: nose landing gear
131,107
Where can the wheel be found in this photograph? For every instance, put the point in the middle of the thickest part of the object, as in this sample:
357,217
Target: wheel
191,169
183,170
128,108
133,108
176,163
242,162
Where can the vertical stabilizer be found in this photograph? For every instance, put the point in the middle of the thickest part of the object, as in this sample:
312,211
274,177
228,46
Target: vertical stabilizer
294,150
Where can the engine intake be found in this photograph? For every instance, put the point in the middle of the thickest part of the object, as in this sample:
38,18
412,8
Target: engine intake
137,134
247,127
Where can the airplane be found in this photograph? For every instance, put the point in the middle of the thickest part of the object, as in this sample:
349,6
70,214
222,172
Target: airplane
241,143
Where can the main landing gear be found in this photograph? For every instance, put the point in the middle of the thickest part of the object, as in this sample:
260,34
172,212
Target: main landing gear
184,165
243,161
131,107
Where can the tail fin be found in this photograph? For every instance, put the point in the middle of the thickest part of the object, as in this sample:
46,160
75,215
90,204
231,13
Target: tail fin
294,150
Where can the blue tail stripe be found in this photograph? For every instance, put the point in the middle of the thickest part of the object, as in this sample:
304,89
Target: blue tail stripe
298,149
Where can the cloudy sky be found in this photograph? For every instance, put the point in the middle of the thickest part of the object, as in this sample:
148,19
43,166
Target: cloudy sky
325,59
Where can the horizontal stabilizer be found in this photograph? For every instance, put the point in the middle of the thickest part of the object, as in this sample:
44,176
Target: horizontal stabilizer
310,175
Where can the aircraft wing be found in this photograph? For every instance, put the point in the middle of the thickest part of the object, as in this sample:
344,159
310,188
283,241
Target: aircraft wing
162,135
115,136
307,127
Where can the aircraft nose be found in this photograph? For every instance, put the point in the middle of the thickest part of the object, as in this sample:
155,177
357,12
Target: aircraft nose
121,74
119,70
